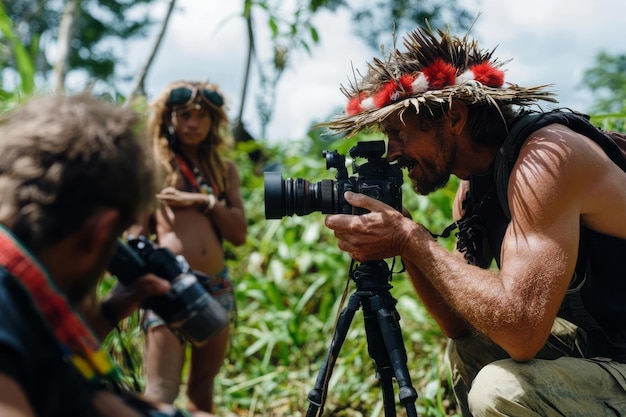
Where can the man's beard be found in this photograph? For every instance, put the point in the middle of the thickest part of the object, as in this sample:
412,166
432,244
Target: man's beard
434,184
434,178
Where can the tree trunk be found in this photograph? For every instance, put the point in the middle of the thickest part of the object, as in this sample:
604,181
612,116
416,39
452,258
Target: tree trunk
67,28
138,85
239,131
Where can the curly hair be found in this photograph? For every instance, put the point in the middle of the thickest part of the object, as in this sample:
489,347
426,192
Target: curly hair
160,124
62,158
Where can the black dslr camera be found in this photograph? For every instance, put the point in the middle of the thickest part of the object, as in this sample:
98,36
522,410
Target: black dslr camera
187,308
377,179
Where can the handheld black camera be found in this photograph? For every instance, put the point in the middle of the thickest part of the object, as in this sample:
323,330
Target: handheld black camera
377,179
187,309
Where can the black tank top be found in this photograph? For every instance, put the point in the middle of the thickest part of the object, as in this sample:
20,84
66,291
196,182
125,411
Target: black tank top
596,299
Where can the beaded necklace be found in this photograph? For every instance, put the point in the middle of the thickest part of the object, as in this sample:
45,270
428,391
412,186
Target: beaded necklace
193,175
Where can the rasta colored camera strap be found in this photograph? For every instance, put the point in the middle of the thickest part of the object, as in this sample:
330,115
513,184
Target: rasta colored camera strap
77,341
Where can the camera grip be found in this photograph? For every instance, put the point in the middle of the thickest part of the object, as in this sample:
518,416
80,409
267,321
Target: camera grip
127,265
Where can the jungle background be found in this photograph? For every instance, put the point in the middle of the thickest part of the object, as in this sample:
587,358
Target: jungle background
290,275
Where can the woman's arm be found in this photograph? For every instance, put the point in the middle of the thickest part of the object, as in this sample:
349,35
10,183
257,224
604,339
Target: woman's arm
228,214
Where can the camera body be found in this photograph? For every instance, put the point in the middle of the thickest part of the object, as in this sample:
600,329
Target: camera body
377,178
187,308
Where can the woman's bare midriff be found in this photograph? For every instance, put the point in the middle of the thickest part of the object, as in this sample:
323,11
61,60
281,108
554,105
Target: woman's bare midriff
187,232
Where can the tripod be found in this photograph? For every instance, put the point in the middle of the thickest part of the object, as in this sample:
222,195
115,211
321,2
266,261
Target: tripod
384,340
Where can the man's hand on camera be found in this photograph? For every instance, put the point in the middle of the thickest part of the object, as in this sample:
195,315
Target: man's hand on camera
123,300
382,233
102,315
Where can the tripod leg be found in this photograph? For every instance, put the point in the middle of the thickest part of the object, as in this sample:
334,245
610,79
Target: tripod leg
389,323
317,395
380,358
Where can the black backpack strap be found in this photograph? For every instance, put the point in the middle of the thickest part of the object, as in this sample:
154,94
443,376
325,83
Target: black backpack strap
531,122
507,155
572,308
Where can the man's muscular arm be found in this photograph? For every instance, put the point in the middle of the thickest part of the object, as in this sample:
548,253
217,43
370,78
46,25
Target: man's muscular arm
451,324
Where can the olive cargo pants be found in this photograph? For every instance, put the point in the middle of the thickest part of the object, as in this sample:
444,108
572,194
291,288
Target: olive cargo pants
487,382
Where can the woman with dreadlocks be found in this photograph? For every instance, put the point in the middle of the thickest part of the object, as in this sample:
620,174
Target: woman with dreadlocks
201,207
543,332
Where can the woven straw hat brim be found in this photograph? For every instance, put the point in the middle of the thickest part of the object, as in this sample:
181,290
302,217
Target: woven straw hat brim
470,92
440,68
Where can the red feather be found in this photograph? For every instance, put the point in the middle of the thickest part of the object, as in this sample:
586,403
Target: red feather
383,97
354,105
488,75
406,82
439,74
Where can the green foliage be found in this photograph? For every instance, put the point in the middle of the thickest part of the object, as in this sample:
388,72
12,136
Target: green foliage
607,80
99,22
292,29
376,21
611,122
24,65
124,343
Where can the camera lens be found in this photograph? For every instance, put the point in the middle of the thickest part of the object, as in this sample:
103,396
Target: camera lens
275,196
298,196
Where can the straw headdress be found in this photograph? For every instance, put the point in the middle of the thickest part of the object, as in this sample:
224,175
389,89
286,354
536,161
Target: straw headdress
434,69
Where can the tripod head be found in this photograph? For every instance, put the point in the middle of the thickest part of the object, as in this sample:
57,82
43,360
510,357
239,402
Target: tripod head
372,276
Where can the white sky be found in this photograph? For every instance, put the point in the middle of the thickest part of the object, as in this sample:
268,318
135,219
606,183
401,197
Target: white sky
550,42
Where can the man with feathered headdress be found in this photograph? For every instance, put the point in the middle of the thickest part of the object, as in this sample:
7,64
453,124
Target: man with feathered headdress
543,332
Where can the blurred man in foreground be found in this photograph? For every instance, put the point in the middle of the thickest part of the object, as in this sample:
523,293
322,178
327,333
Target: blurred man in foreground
75,172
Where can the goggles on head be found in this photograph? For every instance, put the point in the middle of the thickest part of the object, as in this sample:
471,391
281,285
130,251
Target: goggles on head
184,96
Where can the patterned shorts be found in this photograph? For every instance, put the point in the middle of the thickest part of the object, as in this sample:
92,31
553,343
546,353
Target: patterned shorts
219,285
